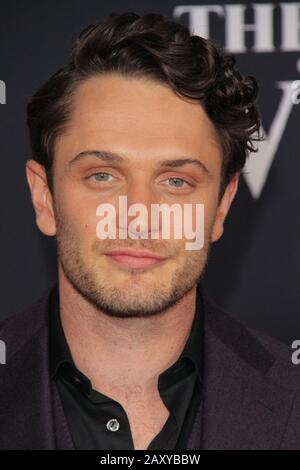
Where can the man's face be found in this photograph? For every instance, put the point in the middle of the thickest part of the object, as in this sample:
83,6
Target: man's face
145,124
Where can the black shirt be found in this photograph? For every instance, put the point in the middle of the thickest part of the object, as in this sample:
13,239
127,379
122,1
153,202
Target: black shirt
98,422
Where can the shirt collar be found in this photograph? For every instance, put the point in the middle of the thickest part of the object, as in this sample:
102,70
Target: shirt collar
193,350
194,347
59,350
60,353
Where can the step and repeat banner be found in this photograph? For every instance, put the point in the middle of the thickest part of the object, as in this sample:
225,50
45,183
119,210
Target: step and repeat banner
253,270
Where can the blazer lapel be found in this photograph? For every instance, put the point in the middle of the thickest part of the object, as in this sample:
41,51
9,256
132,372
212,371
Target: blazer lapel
62,434
26,413
243,408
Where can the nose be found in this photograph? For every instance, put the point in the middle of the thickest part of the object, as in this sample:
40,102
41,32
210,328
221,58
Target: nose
139,198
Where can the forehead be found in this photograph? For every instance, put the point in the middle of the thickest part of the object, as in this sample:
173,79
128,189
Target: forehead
136,116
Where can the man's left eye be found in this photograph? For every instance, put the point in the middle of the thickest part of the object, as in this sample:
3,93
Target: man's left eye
178,182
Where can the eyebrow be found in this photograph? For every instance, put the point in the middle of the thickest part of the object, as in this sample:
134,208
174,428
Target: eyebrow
113,157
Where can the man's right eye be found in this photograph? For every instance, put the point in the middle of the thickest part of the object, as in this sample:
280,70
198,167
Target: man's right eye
100,177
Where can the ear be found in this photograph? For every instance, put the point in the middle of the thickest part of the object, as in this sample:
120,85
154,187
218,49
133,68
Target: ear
223,207
41,197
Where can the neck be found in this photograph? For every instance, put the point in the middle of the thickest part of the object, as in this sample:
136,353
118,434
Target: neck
112,352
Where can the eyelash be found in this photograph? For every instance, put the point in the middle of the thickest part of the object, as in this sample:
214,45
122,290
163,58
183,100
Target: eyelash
171,177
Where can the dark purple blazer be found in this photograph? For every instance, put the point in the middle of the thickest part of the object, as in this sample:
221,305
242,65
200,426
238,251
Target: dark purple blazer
250,399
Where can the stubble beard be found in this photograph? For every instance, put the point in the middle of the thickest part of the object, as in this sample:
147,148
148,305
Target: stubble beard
140,298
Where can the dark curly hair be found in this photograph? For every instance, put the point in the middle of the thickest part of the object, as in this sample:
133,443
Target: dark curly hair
155,47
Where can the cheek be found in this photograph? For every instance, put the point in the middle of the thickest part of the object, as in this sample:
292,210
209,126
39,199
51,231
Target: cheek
76,227
77,211
210,208
203,216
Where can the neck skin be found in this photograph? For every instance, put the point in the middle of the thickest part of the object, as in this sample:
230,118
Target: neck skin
123,356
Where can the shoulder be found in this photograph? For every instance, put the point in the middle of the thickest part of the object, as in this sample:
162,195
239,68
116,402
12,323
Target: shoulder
250,348
19,327
284,369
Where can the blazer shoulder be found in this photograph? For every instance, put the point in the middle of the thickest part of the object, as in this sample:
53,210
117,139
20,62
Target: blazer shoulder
251,347
284,370
19,327
276,347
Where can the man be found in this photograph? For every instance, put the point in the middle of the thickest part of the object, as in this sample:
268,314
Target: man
127,350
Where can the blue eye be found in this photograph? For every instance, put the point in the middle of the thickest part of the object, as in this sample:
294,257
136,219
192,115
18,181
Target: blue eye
178,181
100,177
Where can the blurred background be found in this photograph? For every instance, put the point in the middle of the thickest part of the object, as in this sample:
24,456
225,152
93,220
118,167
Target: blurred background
253,271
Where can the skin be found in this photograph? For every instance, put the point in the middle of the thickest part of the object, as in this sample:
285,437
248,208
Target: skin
126,317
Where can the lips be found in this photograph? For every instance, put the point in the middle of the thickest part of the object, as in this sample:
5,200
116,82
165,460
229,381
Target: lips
135,258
